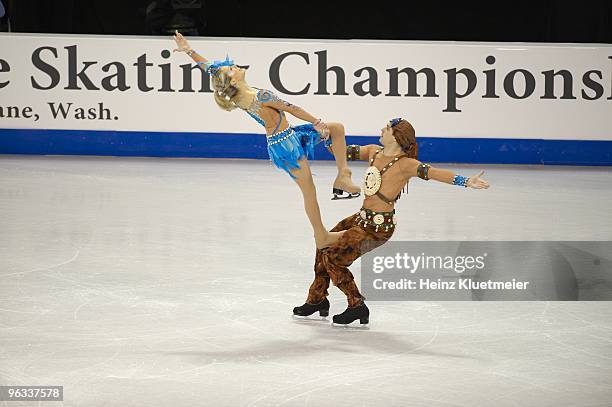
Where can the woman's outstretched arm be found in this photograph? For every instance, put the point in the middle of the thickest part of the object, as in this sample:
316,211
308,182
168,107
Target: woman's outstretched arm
271,100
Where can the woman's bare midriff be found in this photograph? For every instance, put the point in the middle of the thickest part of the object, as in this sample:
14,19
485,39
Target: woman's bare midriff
270,118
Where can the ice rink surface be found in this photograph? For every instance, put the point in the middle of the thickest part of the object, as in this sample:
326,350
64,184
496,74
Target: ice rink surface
170,282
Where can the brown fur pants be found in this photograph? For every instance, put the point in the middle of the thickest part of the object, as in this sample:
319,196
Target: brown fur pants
333,261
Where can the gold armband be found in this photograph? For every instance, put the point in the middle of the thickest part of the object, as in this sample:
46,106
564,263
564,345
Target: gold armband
423,171
352,152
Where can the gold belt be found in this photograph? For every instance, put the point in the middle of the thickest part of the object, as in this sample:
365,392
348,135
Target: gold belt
368,218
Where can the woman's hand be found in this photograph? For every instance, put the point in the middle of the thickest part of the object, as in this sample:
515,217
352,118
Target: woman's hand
477,183
322,129
181,43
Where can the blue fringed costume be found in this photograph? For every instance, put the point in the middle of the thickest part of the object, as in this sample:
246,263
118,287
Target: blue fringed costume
290,145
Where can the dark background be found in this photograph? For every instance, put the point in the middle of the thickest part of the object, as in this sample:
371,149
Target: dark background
546,21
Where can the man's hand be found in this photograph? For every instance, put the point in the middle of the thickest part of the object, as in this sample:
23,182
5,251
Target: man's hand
477,183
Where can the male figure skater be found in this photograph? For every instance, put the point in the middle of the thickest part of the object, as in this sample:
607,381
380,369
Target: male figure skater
391,167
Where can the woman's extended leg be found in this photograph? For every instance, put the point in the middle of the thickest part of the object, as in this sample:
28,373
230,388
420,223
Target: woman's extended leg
303,177
338,147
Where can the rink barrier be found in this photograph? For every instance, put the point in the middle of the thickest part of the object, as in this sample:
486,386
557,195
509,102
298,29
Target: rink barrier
244,145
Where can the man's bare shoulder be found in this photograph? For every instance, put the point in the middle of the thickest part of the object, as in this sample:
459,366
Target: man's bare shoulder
409,166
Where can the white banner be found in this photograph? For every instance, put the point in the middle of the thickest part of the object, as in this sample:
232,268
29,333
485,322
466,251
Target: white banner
445,89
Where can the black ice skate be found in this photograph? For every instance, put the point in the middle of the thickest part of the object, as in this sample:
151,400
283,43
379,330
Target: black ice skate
360,312
309,309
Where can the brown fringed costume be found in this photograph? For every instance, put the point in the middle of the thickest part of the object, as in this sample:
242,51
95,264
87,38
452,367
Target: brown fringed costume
364,231
369,228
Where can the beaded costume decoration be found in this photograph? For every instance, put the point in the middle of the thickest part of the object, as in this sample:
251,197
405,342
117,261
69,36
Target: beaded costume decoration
460,180
372,181
376,220
264,96
373,176
353,152
423,171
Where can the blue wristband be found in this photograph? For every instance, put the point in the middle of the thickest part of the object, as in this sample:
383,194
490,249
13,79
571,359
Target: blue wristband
461,181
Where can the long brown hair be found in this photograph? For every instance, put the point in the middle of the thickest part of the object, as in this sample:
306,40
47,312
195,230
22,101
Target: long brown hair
405,136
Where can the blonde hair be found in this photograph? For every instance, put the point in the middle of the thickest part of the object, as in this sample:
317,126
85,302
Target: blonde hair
225,93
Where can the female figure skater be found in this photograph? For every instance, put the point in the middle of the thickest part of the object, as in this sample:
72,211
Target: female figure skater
288,146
